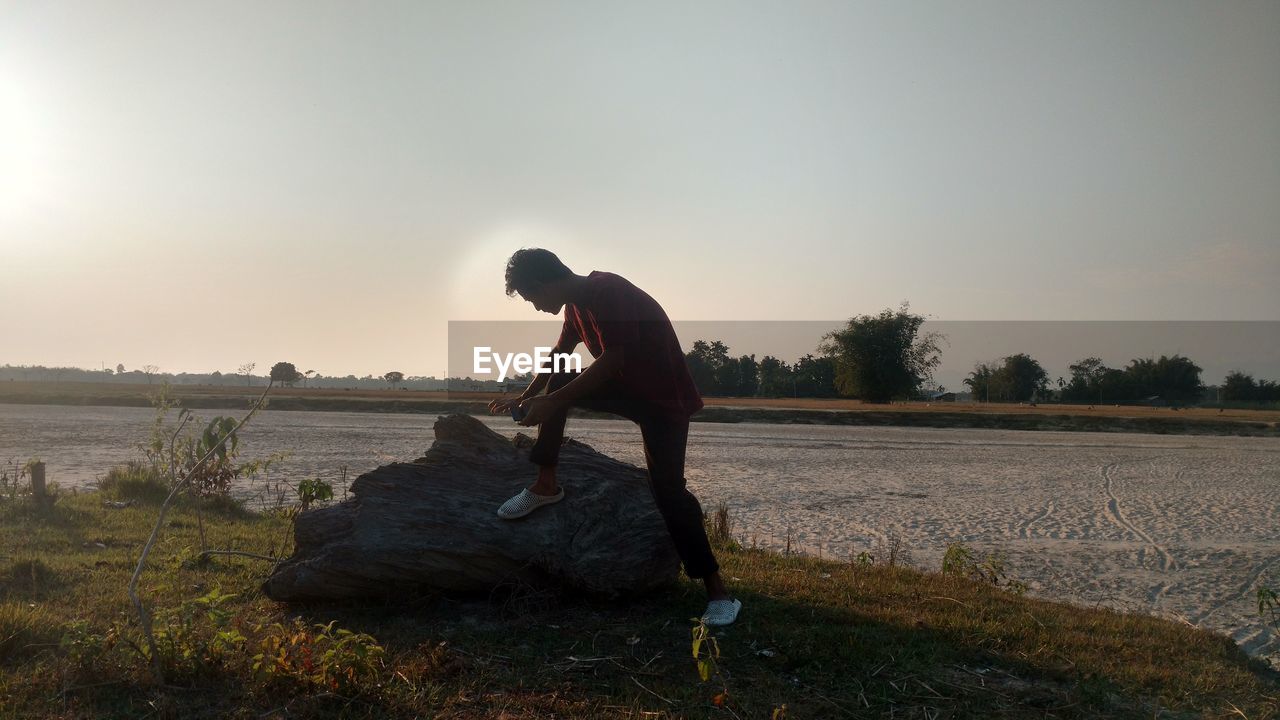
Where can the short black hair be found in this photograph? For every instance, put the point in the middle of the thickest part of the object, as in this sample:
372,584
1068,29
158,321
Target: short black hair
531,267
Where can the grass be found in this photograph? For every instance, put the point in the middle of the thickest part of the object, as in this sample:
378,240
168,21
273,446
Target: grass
816,639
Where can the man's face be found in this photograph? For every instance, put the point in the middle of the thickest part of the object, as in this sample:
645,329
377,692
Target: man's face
543,299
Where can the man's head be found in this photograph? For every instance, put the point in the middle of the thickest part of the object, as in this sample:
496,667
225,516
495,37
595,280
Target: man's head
539,277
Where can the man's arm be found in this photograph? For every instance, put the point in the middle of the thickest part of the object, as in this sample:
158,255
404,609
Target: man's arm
606,366
535,387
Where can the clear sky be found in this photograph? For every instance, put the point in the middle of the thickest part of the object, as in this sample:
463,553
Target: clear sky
200,185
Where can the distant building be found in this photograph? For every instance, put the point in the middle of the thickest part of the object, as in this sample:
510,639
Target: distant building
940,397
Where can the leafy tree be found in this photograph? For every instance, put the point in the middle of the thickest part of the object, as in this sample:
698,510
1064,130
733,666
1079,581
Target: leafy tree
1177,380
1084,386
774,378
395,377
880,357
120,369
1017,378
285,373
727,378
1024,377
1268,392
814,377
1119,387
980,382
1239,387
748,376
706,364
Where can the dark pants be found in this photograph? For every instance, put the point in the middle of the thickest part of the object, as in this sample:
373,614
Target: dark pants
665,434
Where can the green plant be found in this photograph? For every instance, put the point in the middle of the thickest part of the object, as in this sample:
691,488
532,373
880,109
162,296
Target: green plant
1269,604
315,657
314,490
706,657
198,634
960,561
214,476
134,481
82,646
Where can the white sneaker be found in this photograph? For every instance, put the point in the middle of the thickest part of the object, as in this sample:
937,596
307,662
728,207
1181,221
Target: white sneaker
526,502
721,612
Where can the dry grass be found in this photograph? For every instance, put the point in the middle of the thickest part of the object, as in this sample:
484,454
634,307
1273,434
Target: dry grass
824,639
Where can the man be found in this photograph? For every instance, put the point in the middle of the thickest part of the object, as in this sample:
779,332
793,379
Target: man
639,373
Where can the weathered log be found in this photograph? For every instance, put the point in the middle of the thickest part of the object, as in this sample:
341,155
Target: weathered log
431,524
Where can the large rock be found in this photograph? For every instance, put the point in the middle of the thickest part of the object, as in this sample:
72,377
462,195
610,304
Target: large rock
430,523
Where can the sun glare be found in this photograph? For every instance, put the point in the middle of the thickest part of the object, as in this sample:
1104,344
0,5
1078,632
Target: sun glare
478,287
25,175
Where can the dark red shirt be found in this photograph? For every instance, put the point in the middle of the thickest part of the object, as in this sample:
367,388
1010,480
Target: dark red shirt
613,312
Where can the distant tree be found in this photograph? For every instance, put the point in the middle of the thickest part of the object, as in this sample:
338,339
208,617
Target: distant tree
1268,392
707,361
285,373
306,375
814,377
1024,376
395,377
980,382
748,376
246,370
120,369
774,378
1015,378
881,357
1084,386
1176,379
216,377
149,370
1239,387
1119,387
728,377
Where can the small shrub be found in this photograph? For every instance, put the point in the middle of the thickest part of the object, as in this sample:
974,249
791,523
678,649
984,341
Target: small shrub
315,657
1269,605
960,561
720,531
134,481
314,490
199,635
83,647
892,551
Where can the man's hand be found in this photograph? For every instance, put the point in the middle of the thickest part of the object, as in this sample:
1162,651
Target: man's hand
538,409
502,406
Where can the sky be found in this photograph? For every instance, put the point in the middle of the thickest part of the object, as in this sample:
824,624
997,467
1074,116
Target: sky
200,185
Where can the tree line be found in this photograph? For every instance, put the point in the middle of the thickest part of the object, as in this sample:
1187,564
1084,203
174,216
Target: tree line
1020,378
875,358
884,357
